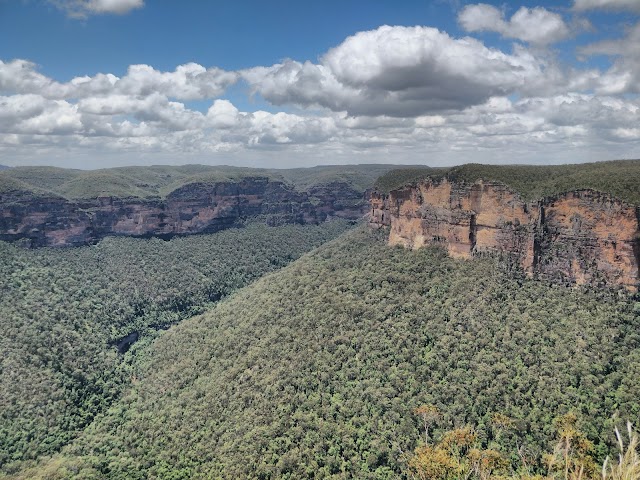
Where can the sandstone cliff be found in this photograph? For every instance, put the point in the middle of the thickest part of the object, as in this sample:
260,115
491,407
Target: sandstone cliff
193,208
581,237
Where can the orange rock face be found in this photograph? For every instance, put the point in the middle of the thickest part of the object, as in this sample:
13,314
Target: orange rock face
589,238
581,237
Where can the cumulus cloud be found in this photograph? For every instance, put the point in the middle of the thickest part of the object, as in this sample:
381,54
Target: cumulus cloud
32,114
391,94
155,108
398,71
583,5
282,128
534,25
223,114
624,75
84,8
187,82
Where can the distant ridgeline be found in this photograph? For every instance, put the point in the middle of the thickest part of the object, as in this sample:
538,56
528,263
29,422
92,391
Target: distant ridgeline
47,206
575,224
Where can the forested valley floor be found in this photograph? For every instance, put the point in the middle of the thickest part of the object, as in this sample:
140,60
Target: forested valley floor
317,371
66,313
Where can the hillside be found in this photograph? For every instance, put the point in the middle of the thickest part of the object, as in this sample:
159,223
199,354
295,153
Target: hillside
314,370
619,178
74,321
159,181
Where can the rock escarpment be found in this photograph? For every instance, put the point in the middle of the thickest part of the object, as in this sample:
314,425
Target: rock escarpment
581,237
194,208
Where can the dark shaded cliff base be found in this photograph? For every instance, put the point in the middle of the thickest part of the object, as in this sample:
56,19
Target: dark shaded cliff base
581,236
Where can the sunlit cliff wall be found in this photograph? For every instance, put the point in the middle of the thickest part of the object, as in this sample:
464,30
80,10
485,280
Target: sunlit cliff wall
582,237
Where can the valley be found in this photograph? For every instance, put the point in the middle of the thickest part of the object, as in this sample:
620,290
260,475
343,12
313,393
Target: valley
285,344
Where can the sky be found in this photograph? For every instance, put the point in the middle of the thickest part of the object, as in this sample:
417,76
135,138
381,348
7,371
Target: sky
284,83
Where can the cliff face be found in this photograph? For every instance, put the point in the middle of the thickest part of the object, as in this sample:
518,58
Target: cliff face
194,208
582,237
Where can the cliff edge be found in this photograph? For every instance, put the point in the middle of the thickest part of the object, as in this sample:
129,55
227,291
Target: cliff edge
579,237
50,220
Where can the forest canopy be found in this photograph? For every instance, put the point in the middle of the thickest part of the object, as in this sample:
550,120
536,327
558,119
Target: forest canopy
316,371
618,178
64,312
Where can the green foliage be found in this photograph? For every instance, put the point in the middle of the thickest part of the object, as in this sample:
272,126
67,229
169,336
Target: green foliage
457,455
63,310
359,177
40,179
619,178
161,180
314,370
13,185
403,176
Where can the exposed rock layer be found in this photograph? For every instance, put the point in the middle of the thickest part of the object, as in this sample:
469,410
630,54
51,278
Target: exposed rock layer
194,208
582,237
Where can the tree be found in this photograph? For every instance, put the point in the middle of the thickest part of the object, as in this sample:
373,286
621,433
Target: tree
429,414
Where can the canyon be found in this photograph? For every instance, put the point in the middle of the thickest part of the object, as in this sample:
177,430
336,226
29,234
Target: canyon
577,237
38,221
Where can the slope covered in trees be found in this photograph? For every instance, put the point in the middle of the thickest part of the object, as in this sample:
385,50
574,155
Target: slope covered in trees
64,313
315,370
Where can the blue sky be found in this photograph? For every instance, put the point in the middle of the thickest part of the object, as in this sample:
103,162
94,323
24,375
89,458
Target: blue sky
289,83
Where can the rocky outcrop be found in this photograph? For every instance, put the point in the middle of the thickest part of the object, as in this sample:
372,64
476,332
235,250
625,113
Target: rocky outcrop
194,208
581,237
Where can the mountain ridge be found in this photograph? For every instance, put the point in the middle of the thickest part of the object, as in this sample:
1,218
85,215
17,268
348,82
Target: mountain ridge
47,206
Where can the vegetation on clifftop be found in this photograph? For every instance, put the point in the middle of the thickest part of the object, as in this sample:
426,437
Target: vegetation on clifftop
619,178
161,180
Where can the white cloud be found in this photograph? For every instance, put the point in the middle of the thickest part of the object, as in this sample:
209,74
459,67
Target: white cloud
84,8
583,5
20,76
223,114
282,128
398,71
624,75
187,82
391,94
32,114
534,25
155,109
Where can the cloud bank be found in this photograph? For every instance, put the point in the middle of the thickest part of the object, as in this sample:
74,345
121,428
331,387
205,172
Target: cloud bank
392,94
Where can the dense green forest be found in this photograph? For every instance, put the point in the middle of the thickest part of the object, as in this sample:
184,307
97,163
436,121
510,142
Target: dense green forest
316,371
64,312
160,180
619,178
